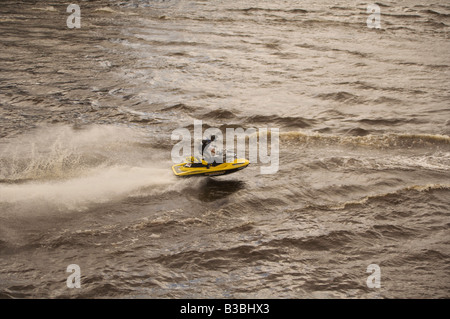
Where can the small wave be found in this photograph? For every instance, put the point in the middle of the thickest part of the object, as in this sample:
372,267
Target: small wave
143,117
439,14
179,107
219,114
257,9
216,258
436,24
379,141
241,228
438,66
331,240
438,162
105,10
323,23
428,187
279,121
365,200
382,4
297,11
17,292
47,8
427,255
402,16
341,97
357,131
154,4
417,258
396,232
370,86
128,233
340,8
325,49
389,121
288,121
386,100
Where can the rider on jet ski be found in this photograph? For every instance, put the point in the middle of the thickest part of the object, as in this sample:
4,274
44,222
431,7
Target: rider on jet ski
208,151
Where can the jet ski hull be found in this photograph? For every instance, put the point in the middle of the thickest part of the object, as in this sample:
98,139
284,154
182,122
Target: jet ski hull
184,169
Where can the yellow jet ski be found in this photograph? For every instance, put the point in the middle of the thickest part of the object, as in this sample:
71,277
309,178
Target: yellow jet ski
195,167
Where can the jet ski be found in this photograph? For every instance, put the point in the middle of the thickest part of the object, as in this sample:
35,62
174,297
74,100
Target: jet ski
199,167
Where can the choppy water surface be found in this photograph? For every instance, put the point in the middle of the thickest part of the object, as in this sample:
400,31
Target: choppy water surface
86,117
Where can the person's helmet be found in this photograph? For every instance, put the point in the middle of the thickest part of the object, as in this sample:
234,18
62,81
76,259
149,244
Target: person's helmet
213,137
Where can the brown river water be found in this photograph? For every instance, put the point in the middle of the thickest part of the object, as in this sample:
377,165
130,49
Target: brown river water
86,117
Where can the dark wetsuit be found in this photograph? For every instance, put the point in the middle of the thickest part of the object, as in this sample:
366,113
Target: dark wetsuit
207,157
205,143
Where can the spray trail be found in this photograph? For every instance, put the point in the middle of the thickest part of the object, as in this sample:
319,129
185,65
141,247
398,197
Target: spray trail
101,186
71,169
